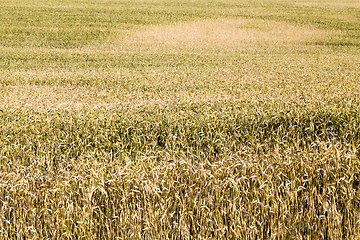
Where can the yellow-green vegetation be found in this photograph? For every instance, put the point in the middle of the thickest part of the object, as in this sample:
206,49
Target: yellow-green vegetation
159,119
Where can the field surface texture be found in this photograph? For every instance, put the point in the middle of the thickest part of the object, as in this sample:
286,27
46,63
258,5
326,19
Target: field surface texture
164,119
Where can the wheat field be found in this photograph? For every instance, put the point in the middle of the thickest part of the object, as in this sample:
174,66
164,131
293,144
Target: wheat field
161,119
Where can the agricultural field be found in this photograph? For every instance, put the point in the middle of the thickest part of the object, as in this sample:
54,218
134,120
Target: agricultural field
179,119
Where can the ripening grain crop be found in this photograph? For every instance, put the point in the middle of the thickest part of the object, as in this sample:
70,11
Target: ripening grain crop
179,119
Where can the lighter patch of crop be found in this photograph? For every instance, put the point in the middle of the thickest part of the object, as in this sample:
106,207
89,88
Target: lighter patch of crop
234,33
